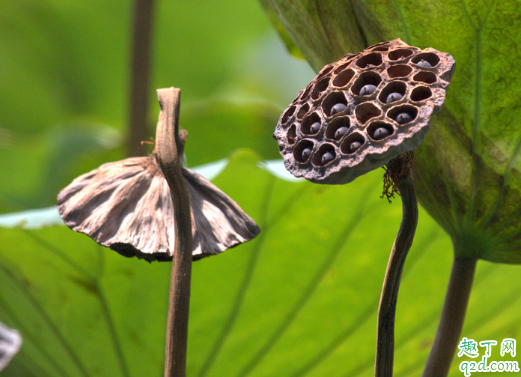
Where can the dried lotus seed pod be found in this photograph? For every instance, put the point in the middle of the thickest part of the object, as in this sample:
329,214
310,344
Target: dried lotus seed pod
362,111
126,206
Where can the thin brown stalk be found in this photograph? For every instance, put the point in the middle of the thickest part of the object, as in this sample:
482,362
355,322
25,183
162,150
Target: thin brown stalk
452,318
139,76
388,299
167,147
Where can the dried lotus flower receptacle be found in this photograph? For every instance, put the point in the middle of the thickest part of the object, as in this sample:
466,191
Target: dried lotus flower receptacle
153,208
126,206
360,113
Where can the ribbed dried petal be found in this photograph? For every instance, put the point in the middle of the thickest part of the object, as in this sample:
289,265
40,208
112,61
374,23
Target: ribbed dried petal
126,205
10,342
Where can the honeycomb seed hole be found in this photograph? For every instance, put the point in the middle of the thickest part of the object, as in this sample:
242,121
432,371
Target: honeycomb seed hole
365,78
324,156
401,53
288,114
300,152
381,48
425,77
337,128
400,70
319,88
398,87
333,102
379,130
366,111
343,78
398,114
379,45
341,68
421,93
374,59
292,135
309,125
325,71
352,143
302,111
429,57
305,93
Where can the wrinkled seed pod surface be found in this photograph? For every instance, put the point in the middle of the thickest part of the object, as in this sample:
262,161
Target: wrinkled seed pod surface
362,111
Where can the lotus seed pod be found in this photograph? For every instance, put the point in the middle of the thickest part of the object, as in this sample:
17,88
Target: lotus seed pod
362,111
126,205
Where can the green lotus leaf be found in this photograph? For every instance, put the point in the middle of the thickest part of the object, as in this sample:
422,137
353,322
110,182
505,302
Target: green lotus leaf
467,169
300,300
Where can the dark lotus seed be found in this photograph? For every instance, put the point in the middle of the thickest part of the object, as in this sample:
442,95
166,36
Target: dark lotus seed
340,132
353,147
314,127
306,153
367,89
339,107
393,97
403,118
327,157
424,63
381,133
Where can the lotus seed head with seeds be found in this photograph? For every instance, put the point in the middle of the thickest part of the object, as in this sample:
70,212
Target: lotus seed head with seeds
362,111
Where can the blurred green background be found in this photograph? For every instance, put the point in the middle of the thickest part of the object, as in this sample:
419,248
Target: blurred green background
300,300
64,92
